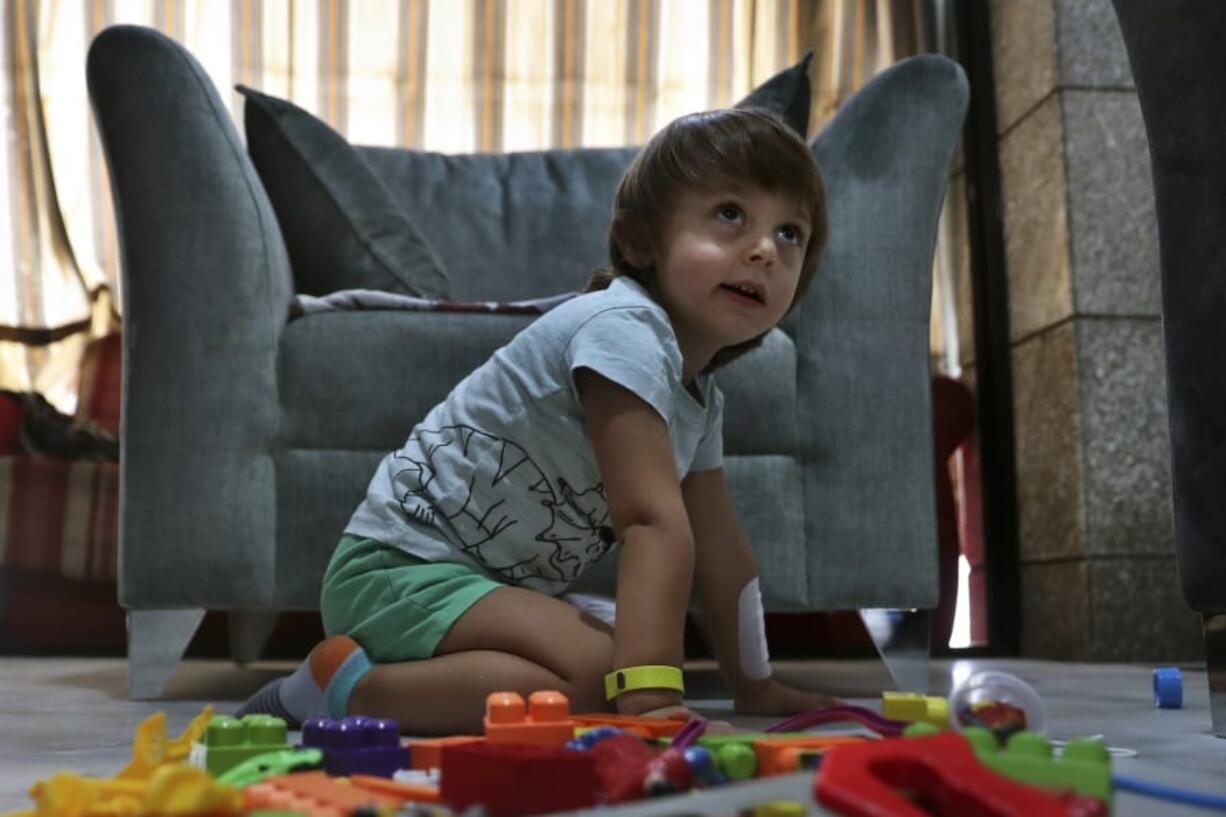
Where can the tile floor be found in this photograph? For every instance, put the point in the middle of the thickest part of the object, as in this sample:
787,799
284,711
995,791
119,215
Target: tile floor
73,714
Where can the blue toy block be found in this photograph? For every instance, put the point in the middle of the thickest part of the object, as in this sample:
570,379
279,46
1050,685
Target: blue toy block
357,745
1168,688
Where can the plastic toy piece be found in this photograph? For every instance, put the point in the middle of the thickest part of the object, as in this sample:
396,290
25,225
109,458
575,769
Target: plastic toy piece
228,741
409,792
172,788
547,721
913,707
314,794
1085,766
783,755
886,727
427,753
636,724
150,748
942,770
1168,688
261,767
357,745
519,779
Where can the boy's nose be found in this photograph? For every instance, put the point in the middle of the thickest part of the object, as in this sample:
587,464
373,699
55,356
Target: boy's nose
761,251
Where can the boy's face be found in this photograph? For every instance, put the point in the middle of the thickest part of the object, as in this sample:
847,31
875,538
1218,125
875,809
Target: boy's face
714,243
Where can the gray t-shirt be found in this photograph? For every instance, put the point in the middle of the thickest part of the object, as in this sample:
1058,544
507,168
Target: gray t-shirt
501,474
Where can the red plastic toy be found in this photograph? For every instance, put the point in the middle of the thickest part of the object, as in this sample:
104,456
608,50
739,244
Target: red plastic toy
941,772
512,779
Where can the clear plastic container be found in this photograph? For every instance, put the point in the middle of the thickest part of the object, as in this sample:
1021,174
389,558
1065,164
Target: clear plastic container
1000,701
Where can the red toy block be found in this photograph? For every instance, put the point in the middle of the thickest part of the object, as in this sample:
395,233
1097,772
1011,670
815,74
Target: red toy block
314,794
940,771
512,779
547,721
427,753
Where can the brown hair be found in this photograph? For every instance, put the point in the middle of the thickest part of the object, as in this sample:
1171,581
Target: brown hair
703,151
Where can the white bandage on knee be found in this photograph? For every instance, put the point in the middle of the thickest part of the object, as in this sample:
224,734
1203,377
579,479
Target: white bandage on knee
751,633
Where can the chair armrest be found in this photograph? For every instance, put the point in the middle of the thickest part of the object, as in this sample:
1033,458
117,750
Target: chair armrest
206,290
862,337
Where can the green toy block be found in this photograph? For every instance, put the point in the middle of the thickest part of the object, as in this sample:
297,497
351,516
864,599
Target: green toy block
1085,766
229,741
734,754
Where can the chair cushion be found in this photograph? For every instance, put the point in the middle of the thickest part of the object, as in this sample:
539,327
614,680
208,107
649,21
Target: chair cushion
342,228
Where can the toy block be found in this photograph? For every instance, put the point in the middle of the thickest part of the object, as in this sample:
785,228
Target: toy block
784,755
314,794
228,741
517,779
427,753
1168,688
912,707
407,792
1084,768
357,745
546,722
635,724
942,771
735,755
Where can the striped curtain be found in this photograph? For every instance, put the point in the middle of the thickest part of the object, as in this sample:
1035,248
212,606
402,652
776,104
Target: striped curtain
444,75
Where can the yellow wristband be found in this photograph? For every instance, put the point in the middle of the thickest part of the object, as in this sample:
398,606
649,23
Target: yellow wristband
648,677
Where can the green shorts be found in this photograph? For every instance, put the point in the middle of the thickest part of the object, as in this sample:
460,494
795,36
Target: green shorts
397,606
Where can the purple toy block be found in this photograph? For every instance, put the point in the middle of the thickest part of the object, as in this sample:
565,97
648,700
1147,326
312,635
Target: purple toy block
357,745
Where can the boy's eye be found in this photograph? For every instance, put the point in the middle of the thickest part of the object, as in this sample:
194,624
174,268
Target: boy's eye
792,234
729,212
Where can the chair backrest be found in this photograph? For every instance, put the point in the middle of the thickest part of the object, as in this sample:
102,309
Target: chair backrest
509,226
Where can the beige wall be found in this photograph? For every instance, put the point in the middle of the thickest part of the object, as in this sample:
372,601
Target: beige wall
1095,529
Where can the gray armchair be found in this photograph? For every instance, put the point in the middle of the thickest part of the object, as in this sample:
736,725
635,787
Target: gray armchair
248,439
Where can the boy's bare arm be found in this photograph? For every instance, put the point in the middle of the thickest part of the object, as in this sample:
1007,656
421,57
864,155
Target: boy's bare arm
635,456
724,565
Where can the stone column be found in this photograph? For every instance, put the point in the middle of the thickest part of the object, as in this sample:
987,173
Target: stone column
1096,534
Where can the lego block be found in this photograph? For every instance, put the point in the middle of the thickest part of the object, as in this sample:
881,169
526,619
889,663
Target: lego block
783,755
228,741
912,707
635,724
1168,688
546,721
427,753
652,727
314,794
357,745
408,792
511,778
1085,766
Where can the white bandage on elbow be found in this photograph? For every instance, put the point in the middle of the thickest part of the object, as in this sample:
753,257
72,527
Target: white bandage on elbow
751,633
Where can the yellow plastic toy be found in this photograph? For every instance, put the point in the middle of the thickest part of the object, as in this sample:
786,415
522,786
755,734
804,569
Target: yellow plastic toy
156,781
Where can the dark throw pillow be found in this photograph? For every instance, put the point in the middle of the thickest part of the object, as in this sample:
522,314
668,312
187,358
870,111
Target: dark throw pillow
788,93
341,225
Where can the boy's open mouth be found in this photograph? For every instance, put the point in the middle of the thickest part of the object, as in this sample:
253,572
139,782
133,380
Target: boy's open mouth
746,291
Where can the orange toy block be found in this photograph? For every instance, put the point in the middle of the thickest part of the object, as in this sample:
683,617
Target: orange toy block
427,753
636,724
546,721
782,755
405,792
315,794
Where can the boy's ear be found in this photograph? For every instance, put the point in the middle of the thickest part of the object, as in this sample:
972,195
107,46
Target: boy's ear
633,241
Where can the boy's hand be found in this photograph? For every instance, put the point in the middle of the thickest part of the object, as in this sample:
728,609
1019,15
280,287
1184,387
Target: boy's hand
770,697
675,713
